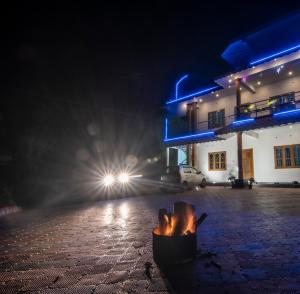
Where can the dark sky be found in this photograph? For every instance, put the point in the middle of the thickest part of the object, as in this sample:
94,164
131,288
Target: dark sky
122,57
133,49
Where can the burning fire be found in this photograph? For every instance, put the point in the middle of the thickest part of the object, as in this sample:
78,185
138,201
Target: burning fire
182,221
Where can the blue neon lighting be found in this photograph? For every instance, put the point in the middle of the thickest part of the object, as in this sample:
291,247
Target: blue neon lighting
243,121
166,128
193,94
287,113
275,55
199,135
177,84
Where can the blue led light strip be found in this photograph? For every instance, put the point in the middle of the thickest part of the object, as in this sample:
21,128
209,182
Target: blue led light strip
177,84
190,136
193,94
166,128
243,121
275,55
288,112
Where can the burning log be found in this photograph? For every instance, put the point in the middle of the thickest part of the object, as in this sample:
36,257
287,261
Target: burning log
163,220
175,240
181,222
186,218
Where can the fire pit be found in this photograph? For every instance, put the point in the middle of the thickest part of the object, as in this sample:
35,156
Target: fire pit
175,239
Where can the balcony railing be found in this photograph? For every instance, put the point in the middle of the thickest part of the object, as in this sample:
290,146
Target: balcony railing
179,126
256,109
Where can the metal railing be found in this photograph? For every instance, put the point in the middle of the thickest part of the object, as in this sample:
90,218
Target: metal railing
179,126
256,109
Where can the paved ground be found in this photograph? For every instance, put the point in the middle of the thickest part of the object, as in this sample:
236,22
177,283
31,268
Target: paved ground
103,248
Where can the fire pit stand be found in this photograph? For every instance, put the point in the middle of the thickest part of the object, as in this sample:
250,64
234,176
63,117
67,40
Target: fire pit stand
175,239
169,250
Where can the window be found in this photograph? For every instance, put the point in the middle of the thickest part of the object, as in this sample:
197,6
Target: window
217,160
216,119
287,156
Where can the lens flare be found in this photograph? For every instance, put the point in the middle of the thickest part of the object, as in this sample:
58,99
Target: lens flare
123,178
108,180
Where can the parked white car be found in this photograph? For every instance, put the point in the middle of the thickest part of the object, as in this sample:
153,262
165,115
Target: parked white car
183,177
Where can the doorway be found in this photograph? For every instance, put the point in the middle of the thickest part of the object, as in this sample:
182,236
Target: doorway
177,155
248,170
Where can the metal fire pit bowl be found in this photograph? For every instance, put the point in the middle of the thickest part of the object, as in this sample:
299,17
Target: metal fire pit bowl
169,250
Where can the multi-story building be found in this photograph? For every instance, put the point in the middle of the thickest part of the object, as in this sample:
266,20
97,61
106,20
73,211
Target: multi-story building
246,123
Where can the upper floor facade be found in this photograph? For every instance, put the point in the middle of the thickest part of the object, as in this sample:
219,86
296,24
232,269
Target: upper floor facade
265,93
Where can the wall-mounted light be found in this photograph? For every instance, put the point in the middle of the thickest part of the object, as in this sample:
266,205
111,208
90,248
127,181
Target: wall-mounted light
278,69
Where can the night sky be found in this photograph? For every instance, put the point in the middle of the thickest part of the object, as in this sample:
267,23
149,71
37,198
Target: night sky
120,58
132,48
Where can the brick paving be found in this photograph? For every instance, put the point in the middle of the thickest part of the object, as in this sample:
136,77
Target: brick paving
102,247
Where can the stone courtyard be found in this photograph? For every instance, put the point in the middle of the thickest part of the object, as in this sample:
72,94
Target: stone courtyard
250,243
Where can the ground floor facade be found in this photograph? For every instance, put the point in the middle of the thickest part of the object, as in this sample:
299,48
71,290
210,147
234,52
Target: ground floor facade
270,155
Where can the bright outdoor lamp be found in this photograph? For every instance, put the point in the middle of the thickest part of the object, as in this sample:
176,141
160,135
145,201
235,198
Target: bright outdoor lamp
108,180
123,178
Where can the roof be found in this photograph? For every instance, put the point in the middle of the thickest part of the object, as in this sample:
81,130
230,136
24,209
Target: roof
254,53
283,35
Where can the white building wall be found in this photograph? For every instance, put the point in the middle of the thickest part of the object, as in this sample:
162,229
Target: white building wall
229,146
213,103
263,155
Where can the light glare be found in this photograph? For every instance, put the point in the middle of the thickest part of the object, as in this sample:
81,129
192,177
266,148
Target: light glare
123,178
108,180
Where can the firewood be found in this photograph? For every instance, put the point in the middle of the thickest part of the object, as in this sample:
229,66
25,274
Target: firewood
183,212
201,219
163,220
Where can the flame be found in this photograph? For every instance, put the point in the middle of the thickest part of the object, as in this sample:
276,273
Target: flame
178,225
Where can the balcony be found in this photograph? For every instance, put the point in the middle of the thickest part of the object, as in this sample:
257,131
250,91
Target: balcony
274,111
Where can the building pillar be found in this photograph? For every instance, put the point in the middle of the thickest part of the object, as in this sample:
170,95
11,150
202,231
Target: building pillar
168,154
238,97
240,180
192,115
240,155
